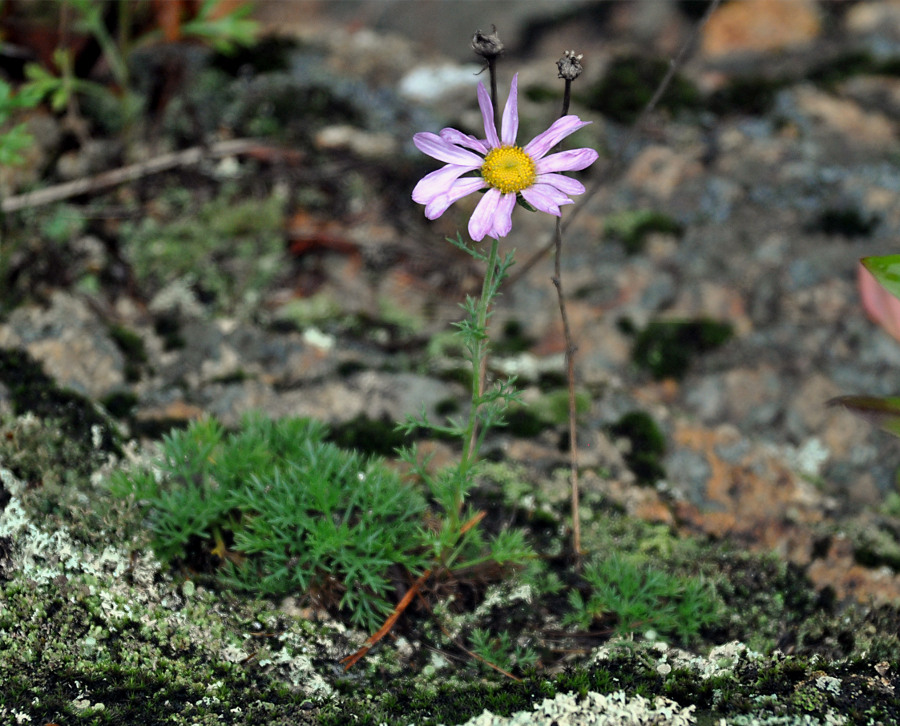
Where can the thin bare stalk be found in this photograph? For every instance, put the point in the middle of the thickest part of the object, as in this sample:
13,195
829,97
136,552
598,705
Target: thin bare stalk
492,71
571,349
569,69
567,97
490,47
616,163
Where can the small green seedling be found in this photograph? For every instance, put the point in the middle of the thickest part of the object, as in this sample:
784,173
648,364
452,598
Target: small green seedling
499,650
639,598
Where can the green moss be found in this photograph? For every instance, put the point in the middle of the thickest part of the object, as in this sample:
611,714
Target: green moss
665,348
69,654
770,601
753,95
157,656
550,380
877,546
227,249
63,223
131,345
168,327
33,391
373,437
554,406
120,404
458,701
521,421
854,63
683,686
550,410
512,339
846,222
38,452
648,446
629,84
632,228
399,318
305,312
296,103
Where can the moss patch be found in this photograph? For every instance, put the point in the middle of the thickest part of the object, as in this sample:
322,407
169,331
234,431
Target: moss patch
226,249
647,446
33,391
632,228
665,348
846,222
629,83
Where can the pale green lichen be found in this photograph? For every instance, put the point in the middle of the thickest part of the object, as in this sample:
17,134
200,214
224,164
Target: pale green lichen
110,615
614,709
96,605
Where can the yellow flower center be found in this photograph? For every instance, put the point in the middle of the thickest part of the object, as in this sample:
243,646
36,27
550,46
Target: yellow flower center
509,169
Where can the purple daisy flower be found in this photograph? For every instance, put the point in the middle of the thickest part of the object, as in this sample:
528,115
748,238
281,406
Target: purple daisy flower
505,169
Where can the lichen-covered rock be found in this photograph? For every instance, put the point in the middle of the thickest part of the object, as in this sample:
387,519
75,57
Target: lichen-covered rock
615,709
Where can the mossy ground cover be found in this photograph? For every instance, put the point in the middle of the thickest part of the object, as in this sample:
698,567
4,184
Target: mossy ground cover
134,641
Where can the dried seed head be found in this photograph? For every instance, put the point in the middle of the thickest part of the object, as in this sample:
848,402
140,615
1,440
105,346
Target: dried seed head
570,65
487,46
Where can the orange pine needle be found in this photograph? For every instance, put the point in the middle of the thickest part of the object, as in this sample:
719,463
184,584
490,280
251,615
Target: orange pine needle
488,663
350,660
472,522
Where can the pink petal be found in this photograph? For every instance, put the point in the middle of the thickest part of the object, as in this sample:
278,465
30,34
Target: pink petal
562,127
437,148
503,216
437,182
487,113
459,189
565,184
482,220
509,126
460,139
567,161
545,198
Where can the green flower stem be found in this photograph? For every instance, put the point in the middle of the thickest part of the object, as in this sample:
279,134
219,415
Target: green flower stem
471,440
458,537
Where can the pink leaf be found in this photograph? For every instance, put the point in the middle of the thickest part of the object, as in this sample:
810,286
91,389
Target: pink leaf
881,307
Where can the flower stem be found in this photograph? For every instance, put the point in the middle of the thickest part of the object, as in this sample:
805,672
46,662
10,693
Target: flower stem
492,71
479,363
571,349
567,97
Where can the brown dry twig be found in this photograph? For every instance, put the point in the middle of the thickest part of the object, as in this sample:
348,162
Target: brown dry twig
350,660
133,172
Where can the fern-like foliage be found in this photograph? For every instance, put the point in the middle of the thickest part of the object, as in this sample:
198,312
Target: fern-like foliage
299,514
640,598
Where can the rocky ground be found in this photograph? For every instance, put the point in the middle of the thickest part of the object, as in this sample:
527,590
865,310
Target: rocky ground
711,271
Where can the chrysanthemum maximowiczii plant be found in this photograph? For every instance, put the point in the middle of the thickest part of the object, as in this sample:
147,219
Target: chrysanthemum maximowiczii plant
504,168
